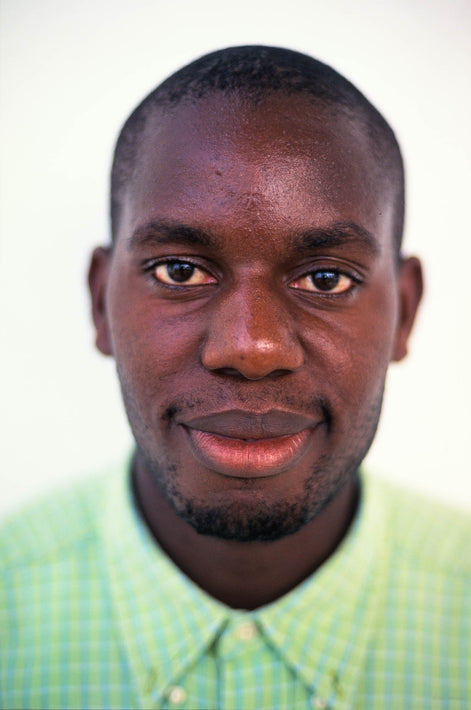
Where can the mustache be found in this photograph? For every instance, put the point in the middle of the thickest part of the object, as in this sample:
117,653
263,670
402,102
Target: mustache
191,404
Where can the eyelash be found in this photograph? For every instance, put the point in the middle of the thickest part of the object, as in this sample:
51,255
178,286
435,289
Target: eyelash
354,280
150,267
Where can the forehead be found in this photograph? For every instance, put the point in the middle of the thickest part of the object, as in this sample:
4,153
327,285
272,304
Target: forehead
283,162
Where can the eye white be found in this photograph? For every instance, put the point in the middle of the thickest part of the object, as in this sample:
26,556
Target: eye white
324,281
184,273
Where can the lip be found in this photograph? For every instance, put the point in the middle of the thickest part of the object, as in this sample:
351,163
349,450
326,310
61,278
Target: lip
249,444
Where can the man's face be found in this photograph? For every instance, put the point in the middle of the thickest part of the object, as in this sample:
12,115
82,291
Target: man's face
253,302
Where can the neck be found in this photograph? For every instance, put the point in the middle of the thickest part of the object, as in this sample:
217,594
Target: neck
244,575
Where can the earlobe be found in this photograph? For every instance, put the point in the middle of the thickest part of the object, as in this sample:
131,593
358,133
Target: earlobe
97,281
410,288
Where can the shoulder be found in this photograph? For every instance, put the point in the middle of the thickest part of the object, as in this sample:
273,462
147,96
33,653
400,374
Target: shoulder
424,533
53,526
55,597
426,575
420,640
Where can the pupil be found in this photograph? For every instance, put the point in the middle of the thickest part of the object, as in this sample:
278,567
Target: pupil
325,280
180,271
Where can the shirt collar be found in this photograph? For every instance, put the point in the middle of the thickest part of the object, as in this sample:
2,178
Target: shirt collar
166,622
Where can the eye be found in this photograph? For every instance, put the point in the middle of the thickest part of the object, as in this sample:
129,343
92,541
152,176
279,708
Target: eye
181,273
328,281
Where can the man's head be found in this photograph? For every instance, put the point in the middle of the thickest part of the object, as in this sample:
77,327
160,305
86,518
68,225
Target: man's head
254,295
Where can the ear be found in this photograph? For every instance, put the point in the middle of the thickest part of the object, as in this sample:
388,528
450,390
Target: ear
97,282
410,288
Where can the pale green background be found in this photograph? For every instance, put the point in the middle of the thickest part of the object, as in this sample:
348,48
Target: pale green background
70,73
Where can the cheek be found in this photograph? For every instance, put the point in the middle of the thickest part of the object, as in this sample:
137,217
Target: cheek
351,351
152,348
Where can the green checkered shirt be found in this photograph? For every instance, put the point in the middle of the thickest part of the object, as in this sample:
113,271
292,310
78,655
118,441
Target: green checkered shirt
94,615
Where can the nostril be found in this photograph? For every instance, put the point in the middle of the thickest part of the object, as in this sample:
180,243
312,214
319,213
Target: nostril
244,375
228,371
250,358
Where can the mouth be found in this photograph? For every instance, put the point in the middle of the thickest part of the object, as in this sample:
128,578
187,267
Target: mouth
248,444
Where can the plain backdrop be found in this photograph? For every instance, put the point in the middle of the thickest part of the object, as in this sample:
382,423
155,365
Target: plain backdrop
70,74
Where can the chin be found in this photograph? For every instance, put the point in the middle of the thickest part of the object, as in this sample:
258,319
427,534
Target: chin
255,519
231,522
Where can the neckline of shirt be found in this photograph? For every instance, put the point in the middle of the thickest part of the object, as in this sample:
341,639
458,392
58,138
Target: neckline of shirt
165,621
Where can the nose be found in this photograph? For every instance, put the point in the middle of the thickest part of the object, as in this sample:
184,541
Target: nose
250,334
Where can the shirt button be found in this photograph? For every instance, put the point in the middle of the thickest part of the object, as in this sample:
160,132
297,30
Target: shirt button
246,631
319,703
177,695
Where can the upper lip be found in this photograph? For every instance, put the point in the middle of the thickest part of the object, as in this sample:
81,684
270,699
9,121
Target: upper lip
243,424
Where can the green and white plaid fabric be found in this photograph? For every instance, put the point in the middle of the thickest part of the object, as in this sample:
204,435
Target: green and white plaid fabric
94,615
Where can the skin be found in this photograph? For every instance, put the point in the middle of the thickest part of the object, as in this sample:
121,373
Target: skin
251,201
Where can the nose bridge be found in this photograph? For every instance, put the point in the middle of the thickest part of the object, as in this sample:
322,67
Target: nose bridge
251,332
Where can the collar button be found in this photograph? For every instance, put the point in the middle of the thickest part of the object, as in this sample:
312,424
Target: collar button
177,695
246,631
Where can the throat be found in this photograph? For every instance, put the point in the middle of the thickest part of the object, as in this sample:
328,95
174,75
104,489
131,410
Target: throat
249,574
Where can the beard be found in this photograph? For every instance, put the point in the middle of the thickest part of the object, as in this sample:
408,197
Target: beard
256,519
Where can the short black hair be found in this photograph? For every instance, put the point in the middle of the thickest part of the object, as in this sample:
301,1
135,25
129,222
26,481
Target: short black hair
255,72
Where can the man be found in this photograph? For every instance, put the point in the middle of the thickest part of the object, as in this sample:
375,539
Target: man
253,297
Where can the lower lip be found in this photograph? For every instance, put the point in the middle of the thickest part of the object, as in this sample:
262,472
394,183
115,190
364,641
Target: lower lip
248,458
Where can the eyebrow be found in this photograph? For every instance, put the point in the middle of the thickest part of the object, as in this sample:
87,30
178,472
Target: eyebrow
339,234
162,232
